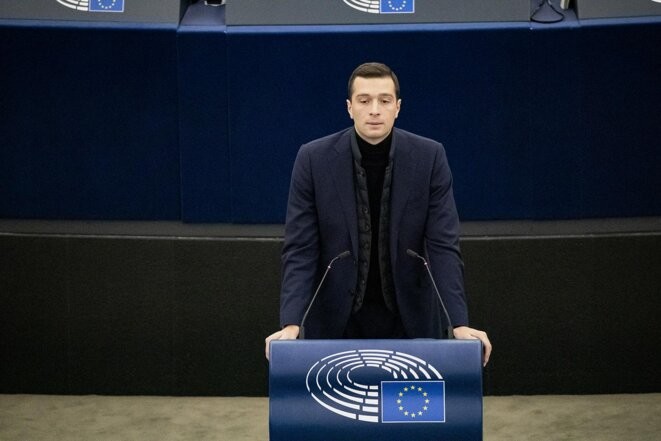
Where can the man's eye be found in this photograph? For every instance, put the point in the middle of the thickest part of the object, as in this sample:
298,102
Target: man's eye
362,101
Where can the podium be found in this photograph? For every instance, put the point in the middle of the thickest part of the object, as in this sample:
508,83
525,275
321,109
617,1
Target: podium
421,389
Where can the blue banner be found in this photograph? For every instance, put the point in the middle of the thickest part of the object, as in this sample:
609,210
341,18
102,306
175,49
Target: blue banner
413,401
107,5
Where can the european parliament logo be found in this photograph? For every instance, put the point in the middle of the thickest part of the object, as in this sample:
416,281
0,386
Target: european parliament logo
94,5
383,6
378,386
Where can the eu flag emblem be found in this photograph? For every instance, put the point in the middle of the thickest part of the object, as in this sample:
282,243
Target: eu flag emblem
413,401
397,6
107,5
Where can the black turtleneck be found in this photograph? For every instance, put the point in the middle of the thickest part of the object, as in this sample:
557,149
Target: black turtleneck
375,158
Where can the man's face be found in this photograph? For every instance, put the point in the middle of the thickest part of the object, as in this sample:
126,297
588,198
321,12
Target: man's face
373,107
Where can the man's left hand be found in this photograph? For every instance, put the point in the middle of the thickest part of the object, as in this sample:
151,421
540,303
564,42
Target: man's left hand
466,333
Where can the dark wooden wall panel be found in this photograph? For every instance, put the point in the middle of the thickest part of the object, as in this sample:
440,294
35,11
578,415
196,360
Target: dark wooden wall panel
188,316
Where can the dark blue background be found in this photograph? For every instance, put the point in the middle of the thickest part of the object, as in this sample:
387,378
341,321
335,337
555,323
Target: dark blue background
201,123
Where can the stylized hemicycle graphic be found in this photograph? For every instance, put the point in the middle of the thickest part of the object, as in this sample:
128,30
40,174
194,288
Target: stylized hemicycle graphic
371,6
80,5
329,381
94,5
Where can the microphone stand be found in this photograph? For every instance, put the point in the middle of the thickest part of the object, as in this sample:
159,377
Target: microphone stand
546,13
438,294
301,330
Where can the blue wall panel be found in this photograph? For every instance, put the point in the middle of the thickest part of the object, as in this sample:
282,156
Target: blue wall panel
89,122
201,123
471,97
621,120
203,136
539,123
284,90
474,98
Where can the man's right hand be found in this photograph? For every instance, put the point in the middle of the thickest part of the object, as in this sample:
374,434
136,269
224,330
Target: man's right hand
289,332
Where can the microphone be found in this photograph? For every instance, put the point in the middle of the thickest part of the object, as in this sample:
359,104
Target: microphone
342,255
412,253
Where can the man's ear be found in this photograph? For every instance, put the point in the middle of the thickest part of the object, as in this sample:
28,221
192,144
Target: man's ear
349,108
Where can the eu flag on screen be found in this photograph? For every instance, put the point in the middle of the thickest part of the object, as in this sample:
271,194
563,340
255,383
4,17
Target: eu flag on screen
107,5
397,6
413,401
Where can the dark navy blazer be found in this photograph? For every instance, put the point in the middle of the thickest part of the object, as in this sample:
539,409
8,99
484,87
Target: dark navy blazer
322,223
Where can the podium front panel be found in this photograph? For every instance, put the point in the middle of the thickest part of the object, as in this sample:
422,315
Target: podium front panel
137,11
352,12
588,9
422,390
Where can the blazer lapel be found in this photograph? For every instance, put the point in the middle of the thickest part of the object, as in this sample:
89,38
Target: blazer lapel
404,165
341,169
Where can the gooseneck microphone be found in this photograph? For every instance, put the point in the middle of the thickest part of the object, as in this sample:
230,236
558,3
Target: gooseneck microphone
412,253
342,255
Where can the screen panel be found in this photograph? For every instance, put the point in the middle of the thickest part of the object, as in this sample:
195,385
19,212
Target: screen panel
306,12
149,11
617,8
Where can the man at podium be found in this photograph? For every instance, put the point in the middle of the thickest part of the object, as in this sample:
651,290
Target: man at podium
371,226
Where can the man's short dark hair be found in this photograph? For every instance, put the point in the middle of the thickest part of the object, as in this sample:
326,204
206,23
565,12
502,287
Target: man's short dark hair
373,70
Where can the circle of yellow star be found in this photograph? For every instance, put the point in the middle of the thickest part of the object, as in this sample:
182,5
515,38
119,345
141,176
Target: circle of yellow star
415,391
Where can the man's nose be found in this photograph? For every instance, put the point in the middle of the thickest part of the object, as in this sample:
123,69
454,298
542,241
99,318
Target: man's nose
375,108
